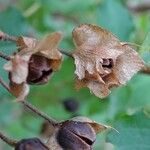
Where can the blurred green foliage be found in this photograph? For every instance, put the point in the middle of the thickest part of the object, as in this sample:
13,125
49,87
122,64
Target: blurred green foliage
127,108
133,132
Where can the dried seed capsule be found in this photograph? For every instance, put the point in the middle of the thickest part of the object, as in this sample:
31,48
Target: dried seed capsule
33,63
47,129
107,63
76,135
71,104
30,144
39,70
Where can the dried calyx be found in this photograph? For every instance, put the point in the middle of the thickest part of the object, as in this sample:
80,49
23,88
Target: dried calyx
77,133
47,129
33,63
101,60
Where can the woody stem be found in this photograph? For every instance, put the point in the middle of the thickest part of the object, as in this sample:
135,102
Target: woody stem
4,85
146,70
6,37
30,107
66,53
2,55
7,140
41,114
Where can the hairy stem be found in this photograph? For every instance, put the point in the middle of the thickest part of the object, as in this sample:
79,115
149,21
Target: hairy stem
146,70
66,53
140,7
4,85
4,56
6,37
7,140
36,111
30,107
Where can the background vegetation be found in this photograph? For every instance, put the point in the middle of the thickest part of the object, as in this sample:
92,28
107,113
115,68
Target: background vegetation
127,108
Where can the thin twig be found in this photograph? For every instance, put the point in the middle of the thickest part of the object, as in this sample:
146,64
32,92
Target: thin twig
146,70
131,44
32,108
6,37
141,7
7,140
4,85
2,55
66,53
36,111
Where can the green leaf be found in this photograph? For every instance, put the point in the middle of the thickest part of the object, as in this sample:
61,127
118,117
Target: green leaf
140,92
130,98
116,18
7,108
134,133
7,48
118,101
146,43
13,22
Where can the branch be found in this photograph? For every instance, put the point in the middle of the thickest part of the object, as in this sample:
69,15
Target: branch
4,56
41,114
4,85
6,37
7,140
146,70
32,108
66,53
141,7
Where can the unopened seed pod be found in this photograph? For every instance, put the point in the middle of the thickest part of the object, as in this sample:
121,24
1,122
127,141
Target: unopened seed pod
30,144
78,133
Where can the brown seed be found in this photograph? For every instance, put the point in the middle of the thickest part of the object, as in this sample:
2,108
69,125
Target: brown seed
108,63
76,135
71,105
39,70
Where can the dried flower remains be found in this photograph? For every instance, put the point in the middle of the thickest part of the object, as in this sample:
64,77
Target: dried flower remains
33,63
102,61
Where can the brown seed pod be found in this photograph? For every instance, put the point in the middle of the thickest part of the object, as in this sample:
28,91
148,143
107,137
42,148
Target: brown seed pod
78,133
71,105
30,144
39,70
101,60
33,63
